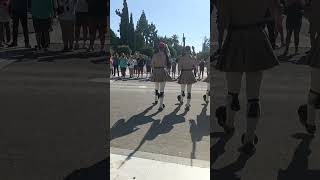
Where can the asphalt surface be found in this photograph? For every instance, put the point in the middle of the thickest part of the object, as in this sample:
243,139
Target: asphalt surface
137,126
53,116
284,150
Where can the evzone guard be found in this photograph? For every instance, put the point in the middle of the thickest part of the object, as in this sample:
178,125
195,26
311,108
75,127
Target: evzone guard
160,74
246,50
186,79
307,113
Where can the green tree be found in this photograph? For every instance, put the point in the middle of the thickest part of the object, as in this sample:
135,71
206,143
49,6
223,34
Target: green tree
139,41
152,34
114,39
131,34
148,51
206,45
124,49
124,23
142,28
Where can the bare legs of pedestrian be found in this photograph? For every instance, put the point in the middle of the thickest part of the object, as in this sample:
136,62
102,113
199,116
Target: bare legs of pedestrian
296,33
67,29
288,40
102,36
84,28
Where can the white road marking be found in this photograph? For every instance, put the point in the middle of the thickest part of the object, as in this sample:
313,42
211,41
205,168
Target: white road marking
155,167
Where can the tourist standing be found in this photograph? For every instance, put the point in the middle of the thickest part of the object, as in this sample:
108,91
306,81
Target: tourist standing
116,65
294,13
140,66
42,14
148,67
123,63
19,11
131,66
201,68
98,17
174,68
4,18
81,23
67,19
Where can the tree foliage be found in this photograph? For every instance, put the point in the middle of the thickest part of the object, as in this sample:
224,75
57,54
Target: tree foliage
144,37
124,23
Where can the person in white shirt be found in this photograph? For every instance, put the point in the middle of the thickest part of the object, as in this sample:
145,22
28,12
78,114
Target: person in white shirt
67,20
131,66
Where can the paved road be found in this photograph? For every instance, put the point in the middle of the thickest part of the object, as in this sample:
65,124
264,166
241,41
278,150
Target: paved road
284,151
53,116
137,126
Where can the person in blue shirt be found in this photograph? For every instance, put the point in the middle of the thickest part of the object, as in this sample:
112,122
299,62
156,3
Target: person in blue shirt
123,64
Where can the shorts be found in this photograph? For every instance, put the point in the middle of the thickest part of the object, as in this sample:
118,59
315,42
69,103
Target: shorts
42,25
81,18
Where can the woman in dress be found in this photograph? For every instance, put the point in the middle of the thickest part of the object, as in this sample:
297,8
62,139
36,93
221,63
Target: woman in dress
185,66
160,74
307,113
246,50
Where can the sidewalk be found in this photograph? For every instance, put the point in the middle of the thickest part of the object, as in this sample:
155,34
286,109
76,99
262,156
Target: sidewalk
145,169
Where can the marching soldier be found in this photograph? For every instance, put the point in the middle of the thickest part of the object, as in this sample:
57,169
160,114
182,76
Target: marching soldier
160,74
186,78
246,50
307,113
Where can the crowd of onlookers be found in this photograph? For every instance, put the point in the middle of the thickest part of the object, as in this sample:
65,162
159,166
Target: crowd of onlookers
139,66
73,15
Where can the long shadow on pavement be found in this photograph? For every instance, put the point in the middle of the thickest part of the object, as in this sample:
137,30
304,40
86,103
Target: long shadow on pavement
157,128
123,128
98,171
218,148
298,168
199,129
230,172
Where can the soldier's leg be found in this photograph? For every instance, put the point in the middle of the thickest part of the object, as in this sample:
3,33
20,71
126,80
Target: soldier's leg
232,100
253,84
314,96
182,95
156,93
161,94
189,87
208,92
